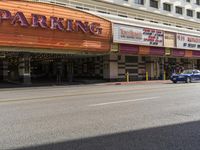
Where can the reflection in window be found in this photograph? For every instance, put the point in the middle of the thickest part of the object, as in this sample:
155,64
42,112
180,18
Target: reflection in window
154,3
141,2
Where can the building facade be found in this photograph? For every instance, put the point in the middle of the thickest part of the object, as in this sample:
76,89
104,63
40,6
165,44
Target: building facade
154,37
47,43
98,39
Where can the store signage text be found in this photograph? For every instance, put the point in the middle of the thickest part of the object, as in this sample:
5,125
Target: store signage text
136,35
40,21
154,37
130,34
188,42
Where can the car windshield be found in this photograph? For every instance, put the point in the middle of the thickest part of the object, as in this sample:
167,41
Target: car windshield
187,72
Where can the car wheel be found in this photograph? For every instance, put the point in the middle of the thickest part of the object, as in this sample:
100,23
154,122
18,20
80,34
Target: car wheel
174,81
188,80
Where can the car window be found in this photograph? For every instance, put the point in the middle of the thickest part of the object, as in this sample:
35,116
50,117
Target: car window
187,72
196,71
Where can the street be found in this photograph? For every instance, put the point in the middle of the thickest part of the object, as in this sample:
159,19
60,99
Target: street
160,116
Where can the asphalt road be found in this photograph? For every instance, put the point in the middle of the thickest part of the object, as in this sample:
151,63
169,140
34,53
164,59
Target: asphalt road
101,117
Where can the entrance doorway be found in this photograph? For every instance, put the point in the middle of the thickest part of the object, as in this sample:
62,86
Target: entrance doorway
154,68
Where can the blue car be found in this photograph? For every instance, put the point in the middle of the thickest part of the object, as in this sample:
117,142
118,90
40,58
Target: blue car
186,76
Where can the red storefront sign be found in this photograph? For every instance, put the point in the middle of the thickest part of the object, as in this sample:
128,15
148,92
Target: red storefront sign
158,51
142,50
196,53
178,53
128,49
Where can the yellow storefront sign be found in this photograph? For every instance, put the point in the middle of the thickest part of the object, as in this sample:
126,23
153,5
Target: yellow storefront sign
169,39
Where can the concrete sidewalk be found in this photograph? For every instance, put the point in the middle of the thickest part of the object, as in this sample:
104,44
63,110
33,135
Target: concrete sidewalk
64,91
4,86
140,82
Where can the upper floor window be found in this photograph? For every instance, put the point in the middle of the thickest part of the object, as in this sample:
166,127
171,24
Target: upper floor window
154,3
189,13
166,7
188,1
141,2
179,10
198,15
198,2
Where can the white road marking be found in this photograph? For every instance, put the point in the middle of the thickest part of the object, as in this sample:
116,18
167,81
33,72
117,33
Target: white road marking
123,101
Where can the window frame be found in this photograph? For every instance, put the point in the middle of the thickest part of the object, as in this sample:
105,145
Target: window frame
167,7
152,2
180,8
139,2
188,14
198,14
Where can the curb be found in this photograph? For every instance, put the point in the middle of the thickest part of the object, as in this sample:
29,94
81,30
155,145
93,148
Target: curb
140,82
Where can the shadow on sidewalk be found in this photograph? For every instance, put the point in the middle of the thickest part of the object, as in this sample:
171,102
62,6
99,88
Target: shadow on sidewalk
42,84
184,136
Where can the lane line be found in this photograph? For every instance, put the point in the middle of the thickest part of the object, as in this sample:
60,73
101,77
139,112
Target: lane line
122,101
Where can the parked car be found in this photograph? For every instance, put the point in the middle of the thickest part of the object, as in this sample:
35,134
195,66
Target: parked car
186,76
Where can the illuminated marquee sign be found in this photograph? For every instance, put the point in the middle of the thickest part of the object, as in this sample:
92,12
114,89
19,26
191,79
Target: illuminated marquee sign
40,21
188,42
137,35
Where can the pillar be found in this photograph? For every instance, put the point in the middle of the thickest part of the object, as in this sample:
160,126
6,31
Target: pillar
163,71
70,71
25,69
5,70
130,2
110,69
59,71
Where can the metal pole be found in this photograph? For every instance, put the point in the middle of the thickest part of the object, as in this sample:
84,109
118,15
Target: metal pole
147,76
127,76
164,75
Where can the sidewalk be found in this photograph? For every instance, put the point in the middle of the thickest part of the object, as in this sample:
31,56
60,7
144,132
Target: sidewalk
11,85
140,82
33,93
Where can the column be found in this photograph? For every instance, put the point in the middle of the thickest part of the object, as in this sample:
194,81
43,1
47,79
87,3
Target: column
25,70
5,70
70,71
59,71
146,3
131,2
110,68
106,68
